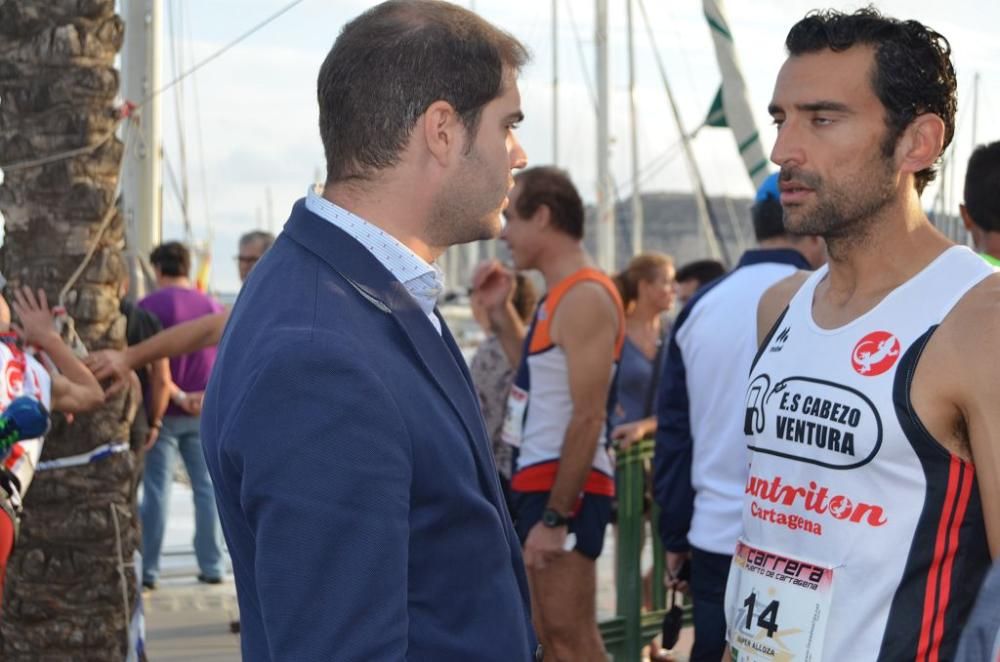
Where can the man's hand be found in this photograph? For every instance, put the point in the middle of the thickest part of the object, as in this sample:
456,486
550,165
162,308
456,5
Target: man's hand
109,364
672,569
493,286
543,545
37,324
493,294
627,434
192,402
152,436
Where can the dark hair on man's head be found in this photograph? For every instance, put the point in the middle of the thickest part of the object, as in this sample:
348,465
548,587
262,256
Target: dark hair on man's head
390,64
703,271
553,188
265,239
912,75
172,259
982,187
768,219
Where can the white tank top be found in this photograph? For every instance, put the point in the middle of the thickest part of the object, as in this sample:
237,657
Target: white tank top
844,475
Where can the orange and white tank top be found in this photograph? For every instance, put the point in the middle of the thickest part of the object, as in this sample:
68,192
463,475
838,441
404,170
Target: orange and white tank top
539,407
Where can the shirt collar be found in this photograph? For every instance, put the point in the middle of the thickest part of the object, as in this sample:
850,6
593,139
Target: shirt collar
780,255
424,282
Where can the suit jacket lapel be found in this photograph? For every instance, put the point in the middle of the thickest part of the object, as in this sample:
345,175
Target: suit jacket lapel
438,353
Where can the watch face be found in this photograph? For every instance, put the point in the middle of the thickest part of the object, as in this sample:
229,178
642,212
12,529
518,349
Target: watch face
551,518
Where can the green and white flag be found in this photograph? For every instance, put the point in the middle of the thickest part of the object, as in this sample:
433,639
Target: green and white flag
731,107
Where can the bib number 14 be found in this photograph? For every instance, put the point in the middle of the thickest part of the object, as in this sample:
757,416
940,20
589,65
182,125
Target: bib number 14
777,606
768,618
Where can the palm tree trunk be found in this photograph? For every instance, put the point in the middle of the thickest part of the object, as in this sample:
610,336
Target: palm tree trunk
67,596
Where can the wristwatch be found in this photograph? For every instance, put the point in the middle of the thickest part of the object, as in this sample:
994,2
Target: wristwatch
553,518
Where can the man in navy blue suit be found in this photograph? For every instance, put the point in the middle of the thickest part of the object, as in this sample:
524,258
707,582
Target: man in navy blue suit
354,476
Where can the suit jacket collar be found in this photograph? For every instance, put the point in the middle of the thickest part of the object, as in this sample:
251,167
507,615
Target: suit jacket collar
439,353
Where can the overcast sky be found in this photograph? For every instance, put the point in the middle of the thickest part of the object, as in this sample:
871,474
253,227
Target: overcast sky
257,120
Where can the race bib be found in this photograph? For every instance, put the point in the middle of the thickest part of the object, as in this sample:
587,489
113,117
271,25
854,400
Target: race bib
513,422
777,606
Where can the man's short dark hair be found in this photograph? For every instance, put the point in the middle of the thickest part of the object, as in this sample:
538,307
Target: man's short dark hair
552,188
265,239
768,219
912,75
390,64
982,187
172,259
703,271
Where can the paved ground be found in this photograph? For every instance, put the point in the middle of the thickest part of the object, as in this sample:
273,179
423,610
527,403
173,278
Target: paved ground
189,621
185,619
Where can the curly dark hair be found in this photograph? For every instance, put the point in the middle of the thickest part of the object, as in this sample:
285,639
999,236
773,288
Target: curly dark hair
913,73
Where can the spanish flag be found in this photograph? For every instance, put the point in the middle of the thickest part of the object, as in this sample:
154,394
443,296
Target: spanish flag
204,270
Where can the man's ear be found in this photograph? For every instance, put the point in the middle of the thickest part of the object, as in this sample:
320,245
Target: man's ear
921,143
966,217
442,131
542,216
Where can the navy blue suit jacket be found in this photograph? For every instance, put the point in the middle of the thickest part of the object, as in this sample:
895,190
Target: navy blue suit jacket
353,474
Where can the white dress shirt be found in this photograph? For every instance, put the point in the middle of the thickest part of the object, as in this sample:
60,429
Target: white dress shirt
424,282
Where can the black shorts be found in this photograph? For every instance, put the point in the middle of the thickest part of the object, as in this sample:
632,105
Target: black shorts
588,524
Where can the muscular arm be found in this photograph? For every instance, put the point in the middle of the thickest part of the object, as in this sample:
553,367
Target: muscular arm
175,341
984,438
510,330
775,300
159,390
979,379
585,326
954,393
75,390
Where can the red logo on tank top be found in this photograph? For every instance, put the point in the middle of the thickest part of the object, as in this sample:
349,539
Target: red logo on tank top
875,353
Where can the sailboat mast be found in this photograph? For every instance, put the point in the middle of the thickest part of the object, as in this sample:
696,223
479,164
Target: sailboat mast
605,199
142,173
975,109
708,223
637,219
555,82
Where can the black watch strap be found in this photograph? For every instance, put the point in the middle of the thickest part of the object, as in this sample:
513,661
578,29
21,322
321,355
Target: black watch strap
553,518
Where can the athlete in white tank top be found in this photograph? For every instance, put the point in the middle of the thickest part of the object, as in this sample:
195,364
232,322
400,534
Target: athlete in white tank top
863,536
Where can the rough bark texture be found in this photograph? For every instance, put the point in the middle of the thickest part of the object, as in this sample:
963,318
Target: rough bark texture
63,598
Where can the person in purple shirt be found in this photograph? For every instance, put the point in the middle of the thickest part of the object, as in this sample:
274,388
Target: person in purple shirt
174,302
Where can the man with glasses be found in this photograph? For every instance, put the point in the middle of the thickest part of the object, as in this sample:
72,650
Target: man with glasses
253,245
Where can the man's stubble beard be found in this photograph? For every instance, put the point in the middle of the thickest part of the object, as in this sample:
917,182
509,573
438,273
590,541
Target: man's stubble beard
845,215
463,212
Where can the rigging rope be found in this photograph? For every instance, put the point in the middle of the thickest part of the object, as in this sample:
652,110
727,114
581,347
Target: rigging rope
128,107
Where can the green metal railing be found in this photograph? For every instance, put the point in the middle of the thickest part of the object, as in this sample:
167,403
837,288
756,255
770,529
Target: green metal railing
632,627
